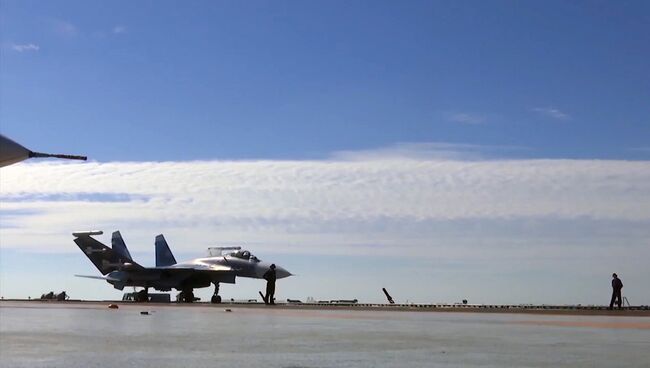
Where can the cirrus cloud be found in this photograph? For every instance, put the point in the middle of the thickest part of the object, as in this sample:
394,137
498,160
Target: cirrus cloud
552,113
290,199
458,220
119,29
466,118
25,47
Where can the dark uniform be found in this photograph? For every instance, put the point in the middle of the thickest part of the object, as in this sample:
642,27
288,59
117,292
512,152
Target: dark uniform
270,278
617,285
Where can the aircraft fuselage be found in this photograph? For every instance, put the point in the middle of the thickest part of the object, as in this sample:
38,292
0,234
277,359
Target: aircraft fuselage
183,278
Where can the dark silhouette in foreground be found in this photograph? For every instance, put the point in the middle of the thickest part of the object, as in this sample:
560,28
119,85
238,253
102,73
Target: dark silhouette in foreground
270,278
617,285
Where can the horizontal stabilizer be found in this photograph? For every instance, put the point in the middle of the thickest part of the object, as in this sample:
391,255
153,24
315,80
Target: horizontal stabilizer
105,278
164,256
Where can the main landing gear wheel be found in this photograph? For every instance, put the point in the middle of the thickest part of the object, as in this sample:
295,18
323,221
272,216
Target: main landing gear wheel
189,296
142,296
186,296
216,299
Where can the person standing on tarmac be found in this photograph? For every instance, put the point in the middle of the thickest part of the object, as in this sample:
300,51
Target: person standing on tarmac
270,278
617,285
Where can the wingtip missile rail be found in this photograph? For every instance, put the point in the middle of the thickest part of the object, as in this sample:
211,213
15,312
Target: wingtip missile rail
87,233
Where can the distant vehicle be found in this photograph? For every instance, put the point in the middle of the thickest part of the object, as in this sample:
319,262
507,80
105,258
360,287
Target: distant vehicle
223,264
12,152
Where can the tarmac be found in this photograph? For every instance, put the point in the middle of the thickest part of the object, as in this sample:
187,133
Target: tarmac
75,334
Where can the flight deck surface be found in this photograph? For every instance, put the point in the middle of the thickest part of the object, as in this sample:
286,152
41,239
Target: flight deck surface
71,334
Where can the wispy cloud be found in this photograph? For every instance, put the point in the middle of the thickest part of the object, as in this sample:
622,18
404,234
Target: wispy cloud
481,216
119,29
640,149
25,47
311,202
466,118
428,151
552,113
65,28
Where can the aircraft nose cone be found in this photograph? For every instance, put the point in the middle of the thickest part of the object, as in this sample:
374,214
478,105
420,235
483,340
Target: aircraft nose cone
282,273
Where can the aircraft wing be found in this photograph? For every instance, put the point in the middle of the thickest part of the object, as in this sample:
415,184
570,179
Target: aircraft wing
214,272
198,266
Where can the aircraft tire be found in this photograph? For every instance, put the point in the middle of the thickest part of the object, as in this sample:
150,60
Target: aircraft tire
216,299
189,296
141,296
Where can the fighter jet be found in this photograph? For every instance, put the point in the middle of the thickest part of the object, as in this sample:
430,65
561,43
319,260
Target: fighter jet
12,152
222,264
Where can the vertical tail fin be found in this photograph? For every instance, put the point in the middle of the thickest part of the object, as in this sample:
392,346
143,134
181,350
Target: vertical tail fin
164,256
104,258
118,245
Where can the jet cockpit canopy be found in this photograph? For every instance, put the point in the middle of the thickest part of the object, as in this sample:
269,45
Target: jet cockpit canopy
236,252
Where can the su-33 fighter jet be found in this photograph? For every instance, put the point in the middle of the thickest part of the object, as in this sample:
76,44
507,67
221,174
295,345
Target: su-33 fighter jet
223,264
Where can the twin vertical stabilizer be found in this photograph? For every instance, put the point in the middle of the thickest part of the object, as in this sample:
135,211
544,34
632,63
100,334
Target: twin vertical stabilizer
104,258
164,256
118,245
118,256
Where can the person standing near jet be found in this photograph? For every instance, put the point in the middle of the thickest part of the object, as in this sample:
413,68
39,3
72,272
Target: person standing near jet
617,285
270,277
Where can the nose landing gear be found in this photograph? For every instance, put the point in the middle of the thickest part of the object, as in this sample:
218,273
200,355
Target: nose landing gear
216,299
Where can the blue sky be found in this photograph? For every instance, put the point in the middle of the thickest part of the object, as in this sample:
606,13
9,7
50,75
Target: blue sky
159,81
461,137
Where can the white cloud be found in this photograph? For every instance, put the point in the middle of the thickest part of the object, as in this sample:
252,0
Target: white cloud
25,47
469,222
118,29
65,28
426,151
308,200
465,118
552,112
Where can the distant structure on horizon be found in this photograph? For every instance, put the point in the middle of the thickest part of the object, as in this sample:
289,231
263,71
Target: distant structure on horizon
12,152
